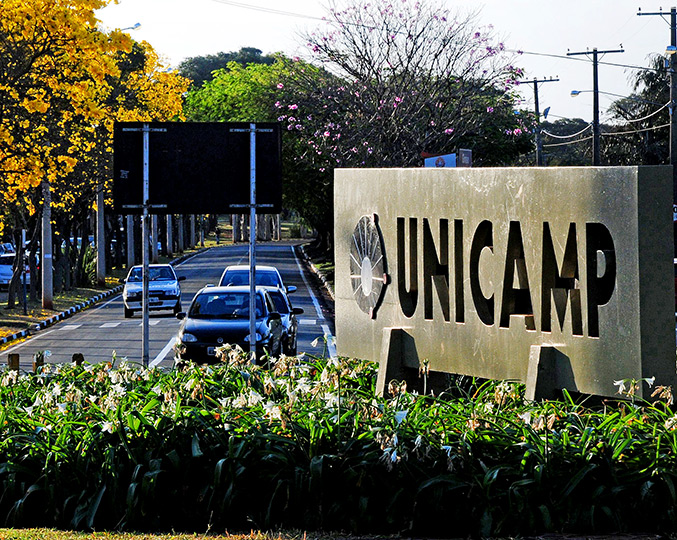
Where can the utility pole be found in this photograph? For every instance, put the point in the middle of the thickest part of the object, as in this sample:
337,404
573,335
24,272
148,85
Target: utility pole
595,99
673,91
539,145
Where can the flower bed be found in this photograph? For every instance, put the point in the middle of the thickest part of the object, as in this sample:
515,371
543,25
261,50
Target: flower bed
308,445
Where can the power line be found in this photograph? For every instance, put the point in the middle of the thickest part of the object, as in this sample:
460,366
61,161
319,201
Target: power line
567,136
567,143
562,57
252,7
611,134
648,115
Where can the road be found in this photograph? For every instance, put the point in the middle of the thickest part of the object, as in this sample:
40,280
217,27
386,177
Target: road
101,332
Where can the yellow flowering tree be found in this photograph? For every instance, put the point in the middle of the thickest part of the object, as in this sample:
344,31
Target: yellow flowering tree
142,90
60,92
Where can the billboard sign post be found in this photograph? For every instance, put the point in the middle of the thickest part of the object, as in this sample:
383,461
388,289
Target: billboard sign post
145,234
252,230
197,168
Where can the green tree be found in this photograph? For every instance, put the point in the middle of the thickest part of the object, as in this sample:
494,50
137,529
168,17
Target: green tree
640,132
200,69
566,142
396,81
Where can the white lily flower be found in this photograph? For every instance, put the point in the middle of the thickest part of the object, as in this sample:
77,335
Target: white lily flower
254,398
621,386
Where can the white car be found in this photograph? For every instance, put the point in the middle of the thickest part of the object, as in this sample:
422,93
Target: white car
164,290
267,276
6,268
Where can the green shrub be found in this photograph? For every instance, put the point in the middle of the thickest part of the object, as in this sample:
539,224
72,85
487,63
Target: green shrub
308,445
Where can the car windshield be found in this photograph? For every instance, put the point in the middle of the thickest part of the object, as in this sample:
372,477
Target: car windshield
279,301
223,306
154,274
267,278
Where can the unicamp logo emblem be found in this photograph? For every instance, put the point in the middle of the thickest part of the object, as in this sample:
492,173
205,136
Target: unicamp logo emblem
368,270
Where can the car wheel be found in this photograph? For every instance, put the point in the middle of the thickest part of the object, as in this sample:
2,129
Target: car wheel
289,348
128,313
177,308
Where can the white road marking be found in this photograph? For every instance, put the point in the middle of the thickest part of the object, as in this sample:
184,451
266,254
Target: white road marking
70,327
160,357
151,322
110,325
331,346
305,281
308,321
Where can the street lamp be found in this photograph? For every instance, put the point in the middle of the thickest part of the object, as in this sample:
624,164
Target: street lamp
137,25
595,99
575,93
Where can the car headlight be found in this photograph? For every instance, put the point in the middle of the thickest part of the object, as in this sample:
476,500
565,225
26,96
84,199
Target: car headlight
188,338
258,337
174,291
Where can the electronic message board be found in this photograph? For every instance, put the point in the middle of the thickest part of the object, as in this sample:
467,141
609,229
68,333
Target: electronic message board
196,167
479,271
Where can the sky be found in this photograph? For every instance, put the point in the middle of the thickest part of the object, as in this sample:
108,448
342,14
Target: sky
543,29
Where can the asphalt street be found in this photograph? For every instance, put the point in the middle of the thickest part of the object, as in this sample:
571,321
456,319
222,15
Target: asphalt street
101,332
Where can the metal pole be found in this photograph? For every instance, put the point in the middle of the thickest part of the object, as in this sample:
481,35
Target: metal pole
129,230
145,247
100,238
47,266
673,97
155,237
252,242
170,235
595,111
595,106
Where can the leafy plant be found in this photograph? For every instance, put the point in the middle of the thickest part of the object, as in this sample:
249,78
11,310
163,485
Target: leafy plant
308,445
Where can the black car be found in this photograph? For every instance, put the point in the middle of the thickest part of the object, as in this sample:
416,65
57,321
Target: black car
220,315
288,316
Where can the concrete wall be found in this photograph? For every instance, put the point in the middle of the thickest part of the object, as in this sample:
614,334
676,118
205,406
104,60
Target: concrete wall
484,264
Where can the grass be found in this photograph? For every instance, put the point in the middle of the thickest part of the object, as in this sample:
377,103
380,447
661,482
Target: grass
51,534
15,320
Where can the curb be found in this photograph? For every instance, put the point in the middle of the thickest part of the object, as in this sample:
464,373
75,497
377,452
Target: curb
317,272
61,316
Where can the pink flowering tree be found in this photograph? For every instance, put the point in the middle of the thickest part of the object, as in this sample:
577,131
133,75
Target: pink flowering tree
385,82
410,77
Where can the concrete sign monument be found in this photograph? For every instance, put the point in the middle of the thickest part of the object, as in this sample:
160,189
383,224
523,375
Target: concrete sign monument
557,277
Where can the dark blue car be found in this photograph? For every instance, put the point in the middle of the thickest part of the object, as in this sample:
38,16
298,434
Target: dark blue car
220,315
